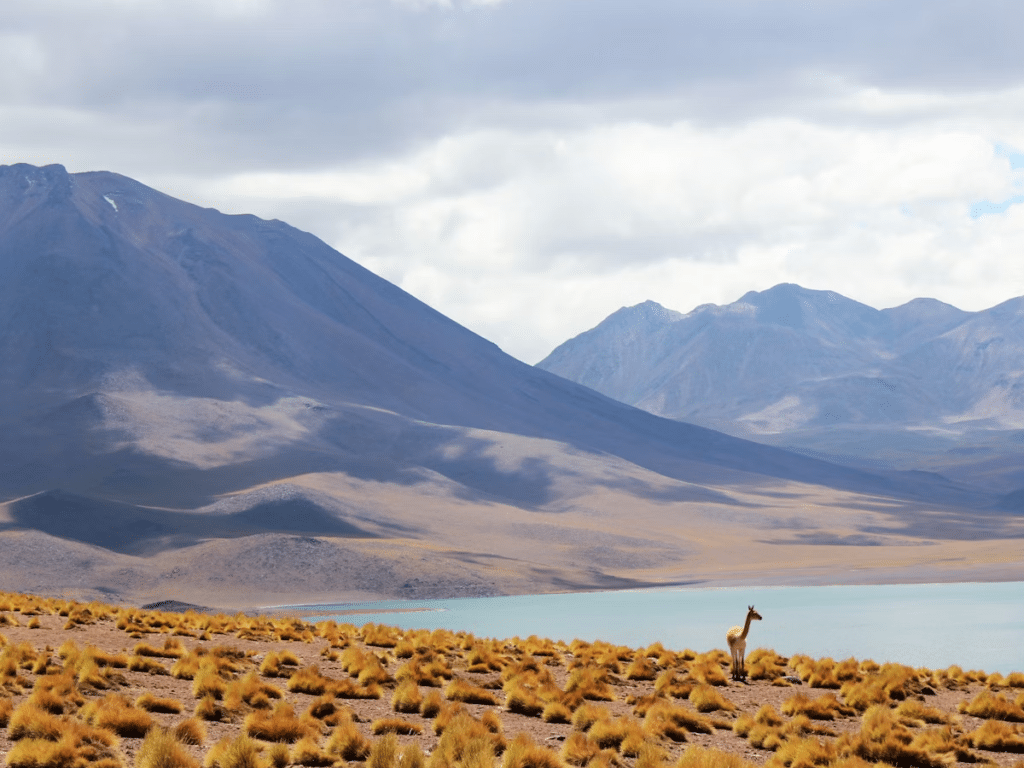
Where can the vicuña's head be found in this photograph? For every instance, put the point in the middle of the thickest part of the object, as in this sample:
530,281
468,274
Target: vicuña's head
752,613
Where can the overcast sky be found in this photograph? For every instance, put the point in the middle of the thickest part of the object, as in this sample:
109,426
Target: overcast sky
527,167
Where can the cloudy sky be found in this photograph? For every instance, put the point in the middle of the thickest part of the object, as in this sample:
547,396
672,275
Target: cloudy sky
529,166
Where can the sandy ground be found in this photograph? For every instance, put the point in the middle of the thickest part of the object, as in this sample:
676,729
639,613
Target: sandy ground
745,697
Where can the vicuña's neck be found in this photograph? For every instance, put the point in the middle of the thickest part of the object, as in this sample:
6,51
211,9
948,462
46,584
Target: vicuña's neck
746,627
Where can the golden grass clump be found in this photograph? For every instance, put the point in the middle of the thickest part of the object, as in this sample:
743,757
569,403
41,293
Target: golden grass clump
161,748
467,742
523,752
347,743
6,708
280,724
307,751
825,707
997,736
191,730
395,725
308,680
407,697
151,703
556,712
30,722
701,757
883,739
915,714
707,671
765,664
115,713
590,683
240,752
249,689
210,709
706,699
576,750
993,706
148,665
460,690
432,704
641,668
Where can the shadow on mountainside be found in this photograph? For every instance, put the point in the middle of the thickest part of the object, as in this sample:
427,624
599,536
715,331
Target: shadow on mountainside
136,530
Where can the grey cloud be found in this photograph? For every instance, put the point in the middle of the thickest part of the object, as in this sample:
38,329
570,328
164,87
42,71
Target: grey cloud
306,83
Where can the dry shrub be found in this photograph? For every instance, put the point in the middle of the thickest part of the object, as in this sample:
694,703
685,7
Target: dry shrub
523,752
240,752
915,714
706,699
395,725
347,743
306,751
556,712
210,709
407,697
467,741
151,703
249,689
944,742
993,706
608,732
147,665
347,689
523,701
380,635
577,749
805,753
6,708
825,707
996,736
208,682
279,725
765,664
641,668
173,649
460,690
700,757
1014,680
115,713
162,749
191,731
432,705
883,738
308,680
708,671
590,683
30,722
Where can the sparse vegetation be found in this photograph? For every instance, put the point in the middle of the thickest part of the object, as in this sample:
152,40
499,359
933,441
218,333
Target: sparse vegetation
462,701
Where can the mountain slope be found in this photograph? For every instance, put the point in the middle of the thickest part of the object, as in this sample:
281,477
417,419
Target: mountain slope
817,371
162,359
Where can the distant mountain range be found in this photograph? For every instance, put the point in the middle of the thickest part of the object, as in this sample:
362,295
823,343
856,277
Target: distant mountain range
187,397
921,385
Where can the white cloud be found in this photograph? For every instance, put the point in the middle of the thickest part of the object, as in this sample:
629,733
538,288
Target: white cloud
530,236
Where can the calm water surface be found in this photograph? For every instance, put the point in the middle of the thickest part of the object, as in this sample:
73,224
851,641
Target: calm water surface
975,625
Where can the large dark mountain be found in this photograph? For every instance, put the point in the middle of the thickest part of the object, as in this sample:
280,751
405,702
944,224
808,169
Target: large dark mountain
916,385
172,375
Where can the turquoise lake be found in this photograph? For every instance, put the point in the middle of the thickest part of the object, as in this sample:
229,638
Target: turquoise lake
975,625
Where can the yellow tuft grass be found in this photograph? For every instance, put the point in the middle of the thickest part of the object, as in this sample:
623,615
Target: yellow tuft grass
115,713
460,690
824,707
162,749
240,752
706,699
347,743
191,731
997,736
151,703
523,752
993,706
281,724
395,725
701,757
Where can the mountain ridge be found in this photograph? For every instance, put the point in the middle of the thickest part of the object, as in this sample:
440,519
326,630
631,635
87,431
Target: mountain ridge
162,359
